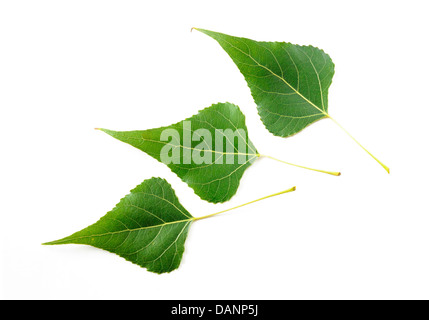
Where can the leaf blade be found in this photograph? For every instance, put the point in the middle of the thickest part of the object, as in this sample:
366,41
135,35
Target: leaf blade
217,180
148,227
289,83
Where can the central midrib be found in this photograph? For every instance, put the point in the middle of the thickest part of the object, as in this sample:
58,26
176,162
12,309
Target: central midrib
281,78
122,231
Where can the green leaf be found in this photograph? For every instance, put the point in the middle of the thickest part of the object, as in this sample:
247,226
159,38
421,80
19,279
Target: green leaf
147,227
288,82
209,151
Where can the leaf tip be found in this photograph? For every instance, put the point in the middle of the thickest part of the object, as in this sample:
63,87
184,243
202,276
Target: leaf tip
193,28
101,129
55,242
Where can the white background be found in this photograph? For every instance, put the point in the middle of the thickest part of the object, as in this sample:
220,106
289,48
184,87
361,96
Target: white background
67,67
